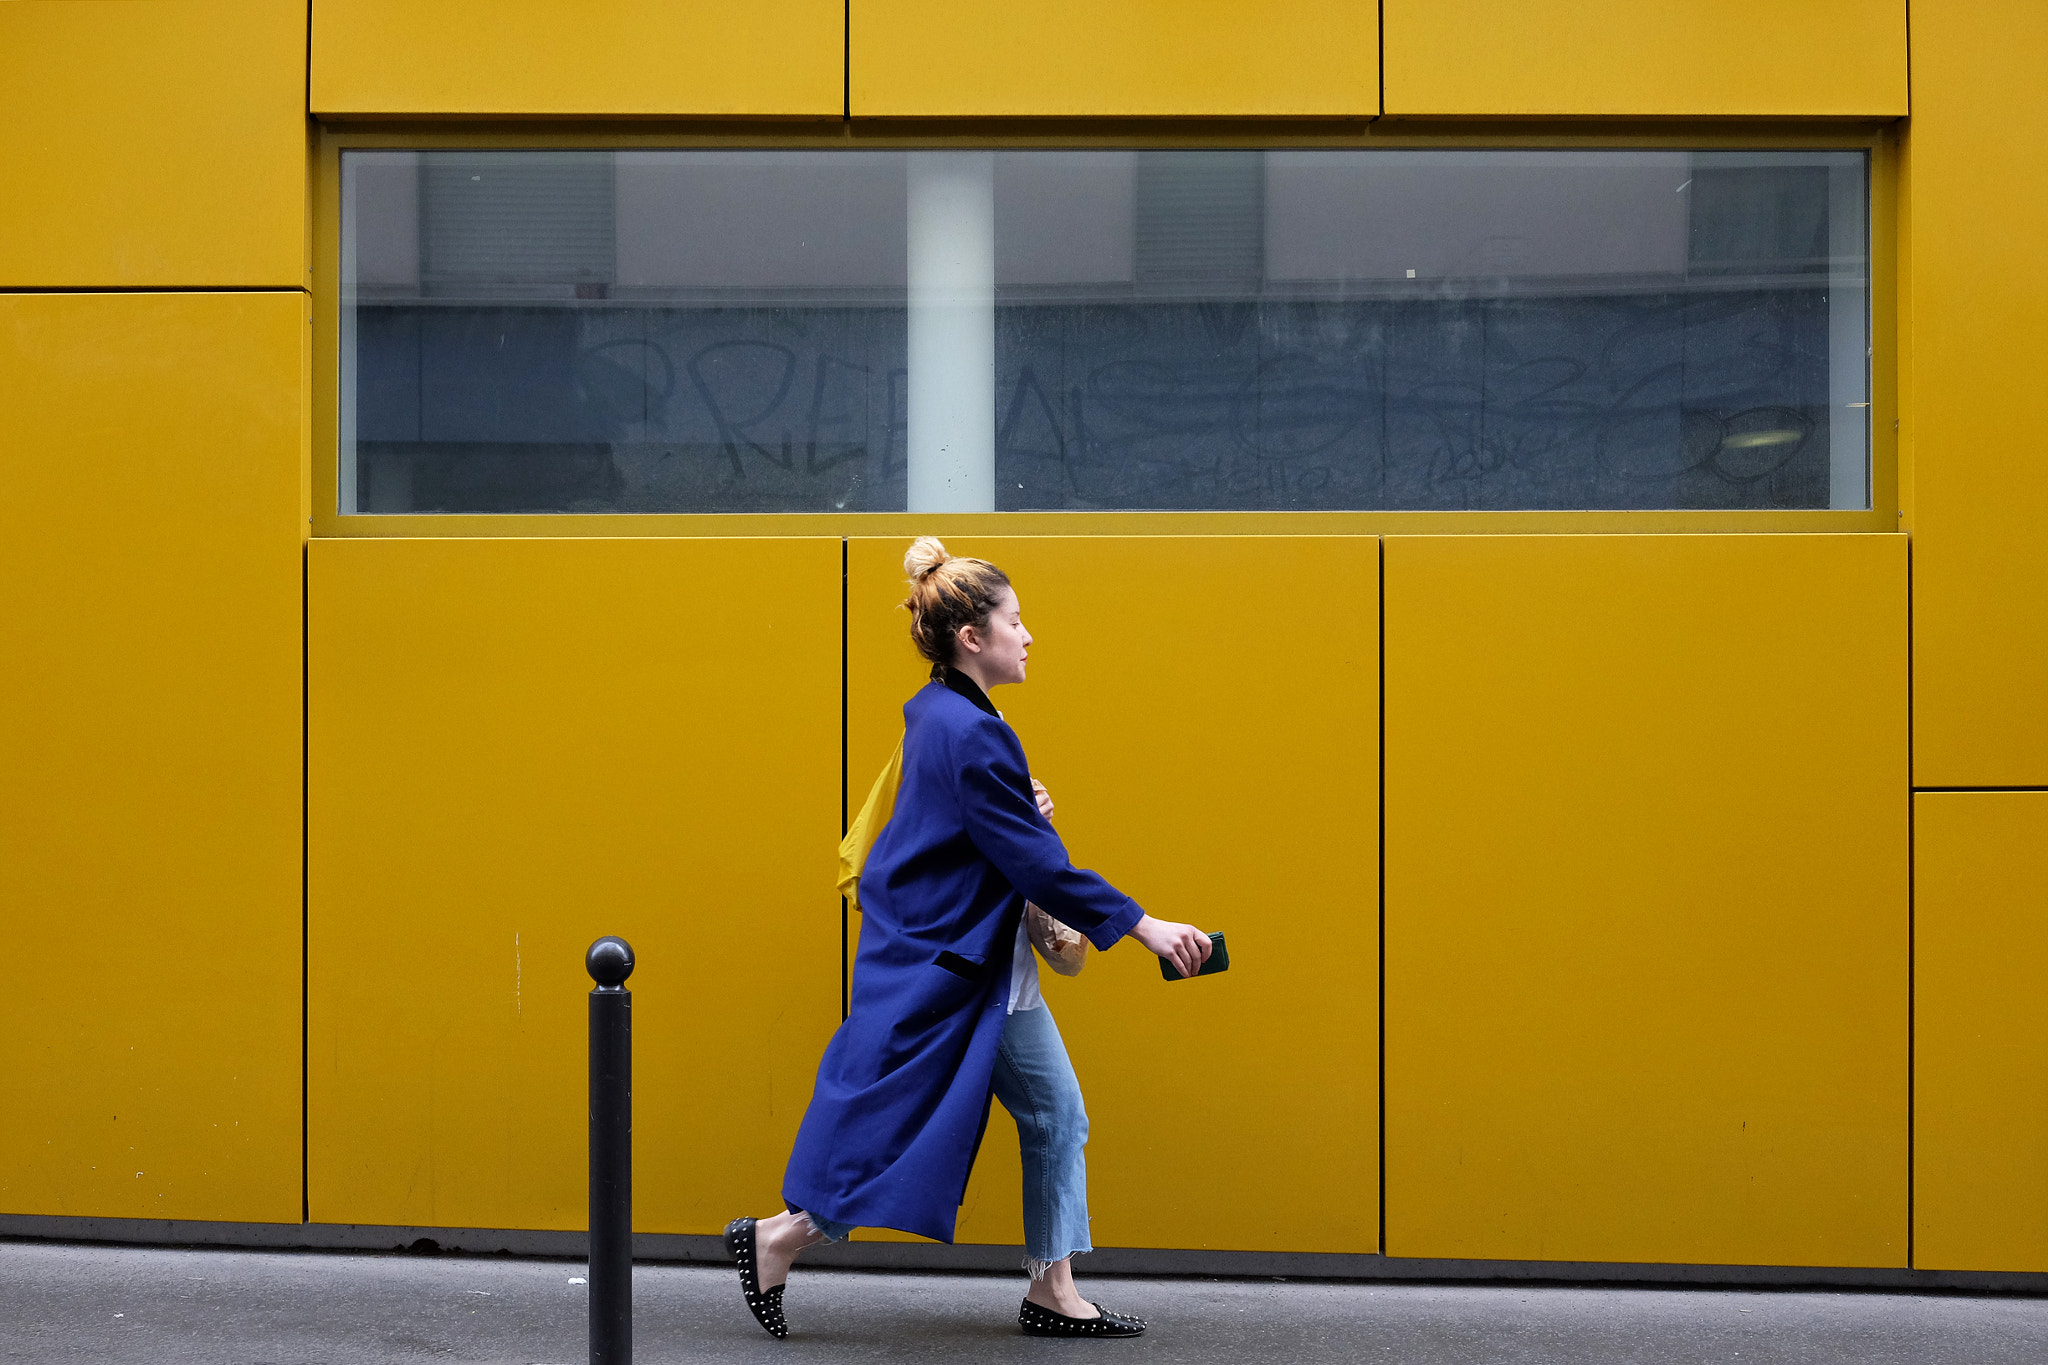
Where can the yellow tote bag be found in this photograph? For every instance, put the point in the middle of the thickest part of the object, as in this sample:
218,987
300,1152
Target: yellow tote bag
861,834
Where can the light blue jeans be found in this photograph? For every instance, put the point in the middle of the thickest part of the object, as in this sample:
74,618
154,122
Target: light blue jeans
1035,1081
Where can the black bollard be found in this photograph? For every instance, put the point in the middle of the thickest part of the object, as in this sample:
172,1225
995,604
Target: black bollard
610,962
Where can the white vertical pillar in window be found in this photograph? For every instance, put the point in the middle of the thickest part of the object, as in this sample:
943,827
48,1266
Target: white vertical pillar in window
952,341
1848,334
345,415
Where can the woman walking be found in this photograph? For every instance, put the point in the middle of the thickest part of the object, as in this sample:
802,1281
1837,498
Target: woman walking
945,1011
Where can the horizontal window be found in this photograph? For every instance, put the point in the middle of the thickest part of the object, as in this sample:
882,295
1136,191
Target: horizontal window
807,331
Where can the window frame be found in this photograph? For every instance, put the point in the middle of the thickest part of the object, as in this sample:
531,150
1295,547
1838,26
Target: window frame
1878,139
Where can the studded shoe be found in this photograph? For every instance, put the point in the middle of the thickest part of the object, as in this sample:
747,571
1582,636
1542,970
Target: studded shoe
766,1306
1043,1322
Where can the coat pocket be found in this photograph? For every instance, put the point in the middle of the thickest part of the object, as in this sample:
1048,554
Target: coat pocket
964,967
946,985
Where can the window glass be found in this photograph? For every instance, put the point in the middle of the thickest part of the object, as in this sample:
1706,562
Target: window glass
576,331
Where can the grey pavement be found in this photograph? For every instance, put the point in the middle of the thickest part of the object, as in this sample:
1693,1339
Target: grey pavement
84,1303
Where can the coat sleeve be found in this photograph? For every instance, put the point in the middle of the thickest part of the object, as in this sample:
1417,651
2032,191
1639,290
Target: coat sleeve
1002,819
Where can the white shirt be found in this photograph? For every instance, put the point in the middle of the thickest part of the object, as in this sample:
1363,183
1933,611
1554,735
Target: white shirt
1024,974
1023,967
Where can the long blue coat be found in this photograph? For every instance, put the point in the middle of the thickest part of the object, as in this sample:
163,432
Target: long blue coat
903,1090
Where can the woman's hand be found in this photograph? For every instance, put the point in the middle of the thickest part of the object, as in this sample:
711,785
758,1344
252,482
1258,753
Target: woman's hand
1044,798
1185,946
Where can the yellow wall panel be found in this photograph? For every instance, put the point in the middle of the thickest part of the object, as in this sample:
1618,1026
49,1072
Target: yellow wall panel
159,144
1978,211
1980,1035
624,57
150,533
1204,711
517,746
1071,58
1623,57
1646,921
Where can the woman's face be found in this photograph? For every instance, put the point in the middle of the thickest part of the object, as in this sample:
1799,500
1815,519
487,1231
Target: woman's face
999,652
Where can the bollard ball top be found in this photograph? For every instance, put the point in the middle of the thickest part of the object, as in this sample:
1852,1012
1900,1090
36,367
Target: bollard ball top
609,962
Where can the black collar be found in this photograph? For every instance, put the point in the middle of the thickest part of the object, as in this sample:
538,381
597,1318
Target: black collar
968,688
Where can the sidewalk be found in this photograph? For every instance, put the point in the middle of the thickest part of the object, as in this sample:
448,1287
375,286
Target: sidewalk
76,1303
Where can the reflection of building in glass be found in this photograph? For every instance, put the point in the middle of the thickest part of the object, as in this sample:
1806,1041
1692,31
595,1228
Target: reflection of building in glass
677,331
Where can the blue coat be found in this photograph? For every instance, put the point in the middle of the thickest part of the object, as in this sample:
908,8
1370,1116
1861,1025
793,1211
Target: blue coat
903,1090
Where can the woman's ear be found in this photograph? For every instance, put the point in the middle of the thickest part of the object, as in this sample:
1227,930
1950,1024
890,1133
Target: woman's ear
969,639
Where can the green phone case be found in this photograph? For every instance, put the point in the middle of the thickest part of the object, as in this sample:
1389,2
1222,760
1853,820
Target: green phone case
1219,961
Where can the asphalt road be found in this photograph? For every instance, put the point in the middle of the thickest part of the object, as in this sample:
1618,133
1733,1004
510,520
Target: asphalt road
79,1303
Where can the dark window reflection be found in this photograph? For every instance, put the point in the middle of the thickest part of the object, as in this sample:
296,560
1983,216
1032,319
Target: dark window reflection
629,332
1443,331
725,332
1631,401
630,409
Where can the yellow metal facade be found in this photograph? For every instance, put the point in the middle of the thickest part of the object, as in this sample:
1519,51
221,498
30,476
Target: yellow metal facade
150,741
1646,898
158,145
1626,59
1646,795
1122,58
1980,1135
1978,424
519,745
631,58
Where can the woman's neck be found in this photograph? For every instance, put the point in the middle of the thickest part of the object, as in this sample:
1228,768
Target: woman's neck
964,685
966,669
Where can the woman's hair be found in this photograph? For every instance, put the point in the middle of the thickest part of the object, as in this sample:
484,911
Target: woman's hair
947,593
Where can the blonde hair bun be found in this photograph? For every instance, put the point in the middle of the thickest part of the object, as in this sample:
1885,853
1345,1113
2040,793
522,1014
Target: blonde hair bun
924,555
942,603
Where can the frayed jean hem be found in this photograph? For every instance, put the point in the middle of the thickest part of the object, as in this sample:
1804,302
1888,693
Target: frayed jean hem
824,1227
1037,1269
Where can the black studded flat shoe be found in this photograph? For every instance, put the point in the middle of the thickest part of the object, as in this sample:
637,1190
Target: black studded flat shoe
765,1306
1043,1322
